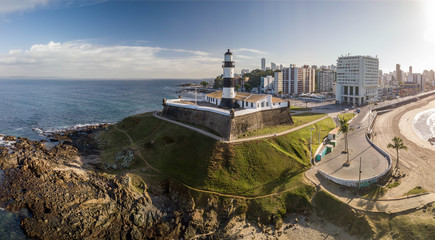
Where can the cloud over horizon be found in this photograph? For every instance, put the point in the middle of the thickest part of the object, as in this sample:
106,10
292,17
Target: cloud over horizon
84,60
80,59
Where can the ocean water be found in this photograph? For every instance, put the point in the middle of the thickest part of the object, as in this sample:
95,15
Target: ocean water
28,108
424,124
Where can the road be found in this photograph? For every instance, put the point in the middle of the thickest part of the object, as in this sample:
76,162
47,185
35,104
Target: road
372,162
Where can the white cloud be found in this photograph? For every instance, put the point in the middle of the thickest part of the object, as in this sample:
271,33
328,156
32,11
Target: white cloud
12,6
7,6
249,50
80,59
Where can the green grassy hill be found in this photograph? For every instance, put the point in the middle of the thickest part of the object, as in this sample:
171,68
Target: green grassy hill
251,169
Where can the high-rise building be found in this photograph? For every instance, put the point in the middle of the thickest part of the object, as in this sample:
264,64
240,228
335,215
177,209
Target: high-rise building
244,71
298,80
325,79
357,79
278,82
309,80
266,84
398,74
263,64
410,77
273,66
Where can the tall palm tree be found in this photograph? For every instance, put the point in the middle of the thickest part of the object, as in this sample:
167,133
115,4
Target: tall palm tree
344,128
397,144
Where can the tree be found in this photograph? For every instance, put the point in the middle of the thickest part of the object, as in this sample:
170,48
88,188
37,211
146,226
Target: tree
204,84
345,129
255,76
248,87
217,82
397,144
237,87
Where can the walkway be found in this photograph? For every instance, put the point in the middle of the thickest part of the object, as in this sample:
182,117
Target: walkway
211,135
373,162
396,205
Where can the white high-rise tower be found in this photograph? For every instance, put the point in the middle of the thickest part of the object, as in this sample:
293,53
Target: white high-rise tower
228,94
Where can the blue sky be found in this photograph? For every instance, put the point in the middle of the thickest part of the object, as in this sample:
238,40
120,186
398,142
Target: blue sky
187,39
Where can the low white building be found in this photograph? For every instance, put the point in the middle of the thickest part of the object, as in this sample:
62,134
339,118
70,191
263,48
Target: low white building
249,101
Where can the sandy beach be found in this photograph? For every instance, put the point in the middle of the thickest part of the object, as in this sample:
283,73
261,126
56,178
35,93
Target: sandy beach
407,130
418,162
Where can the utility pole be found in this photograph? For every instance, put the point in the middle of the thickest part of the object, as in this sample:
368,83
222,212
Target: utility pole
359,178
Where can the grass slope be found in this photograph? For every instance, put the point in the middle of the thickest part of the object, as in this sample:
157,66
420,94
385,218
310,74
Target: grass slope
298,119
249,168
347,116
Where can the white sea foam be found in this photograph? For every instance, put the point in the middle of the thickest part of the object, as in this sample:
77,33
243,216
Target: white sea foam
424,124
4,143
47,131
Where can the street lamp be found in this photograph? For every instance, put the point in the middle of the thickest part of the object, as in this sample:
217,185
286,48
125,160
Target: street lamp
311,141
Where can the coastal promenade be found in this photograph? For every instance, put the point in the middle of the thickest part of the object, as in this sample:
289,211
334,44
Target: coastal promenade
373,162
390,205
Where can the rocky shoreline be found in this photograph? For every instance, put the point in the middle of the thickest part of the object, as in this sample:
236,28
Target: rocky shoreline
62,191
69,196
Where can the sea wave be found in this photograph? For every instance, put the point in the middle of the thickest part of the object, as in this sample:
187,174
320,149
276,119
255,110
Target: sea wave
47,131
424,124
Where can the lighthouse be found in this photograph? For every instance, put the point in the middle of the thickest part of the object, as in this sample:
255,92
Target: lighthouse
228,94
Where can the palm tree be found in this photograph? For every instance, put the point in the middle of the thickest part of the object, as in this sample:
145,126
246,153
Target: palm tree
344,128
397,144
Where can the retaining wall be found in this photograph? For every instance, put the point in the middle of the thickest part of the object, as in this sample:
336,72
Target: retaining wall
227,126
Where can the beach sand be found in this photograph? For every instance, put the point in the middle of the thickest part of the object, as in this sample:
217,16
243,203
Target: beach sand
418,163
407,130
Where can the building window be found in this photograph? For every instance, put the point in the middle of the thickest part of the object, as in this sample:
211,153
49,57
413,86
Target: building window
262,104
246,103
252,105
267,104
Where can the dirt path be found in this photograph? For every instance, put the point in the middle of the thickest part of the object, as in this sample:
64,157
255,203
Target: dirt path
418,163
139,154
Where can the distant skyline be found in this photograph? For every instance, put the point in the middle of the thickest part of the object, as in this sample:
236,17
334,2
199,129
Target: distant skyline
187,39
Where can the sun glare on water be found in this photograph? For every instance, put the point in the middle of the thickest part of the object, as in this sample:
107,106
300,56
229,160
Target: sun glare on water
429,12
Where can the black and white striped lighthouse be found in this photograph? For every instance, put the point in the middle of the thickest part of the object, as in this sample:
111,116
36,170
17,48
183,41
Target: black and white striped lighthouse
228,94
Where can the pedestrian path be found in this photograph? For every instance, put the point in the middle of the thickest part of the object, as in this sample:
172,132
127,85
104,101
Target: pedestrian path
211,135
396,205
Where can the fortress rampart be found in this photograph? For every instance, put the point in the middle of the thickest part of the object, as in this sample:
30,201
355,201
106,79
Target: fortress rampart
228,126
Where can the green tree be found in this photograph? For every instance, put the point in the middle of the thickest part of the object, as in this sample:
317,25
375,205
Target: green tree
217,82
248,87
397,144
237,87
255,76
204,84
345,129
